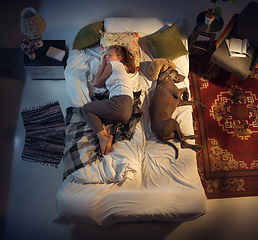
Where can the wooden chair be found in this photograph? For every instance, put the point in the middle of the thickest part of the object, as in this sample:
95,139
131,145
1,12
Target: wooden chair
242,26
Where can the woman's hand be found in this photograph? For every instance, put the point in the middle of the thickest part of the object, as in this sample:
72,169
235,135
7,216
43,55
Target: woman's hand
104,60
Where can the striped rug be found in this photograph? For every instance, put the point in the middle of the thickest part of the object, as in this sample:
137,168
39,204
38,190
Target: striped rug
44,126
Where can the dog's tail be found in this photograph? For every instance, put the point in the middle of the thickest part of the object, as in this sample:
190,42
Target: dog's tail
170,144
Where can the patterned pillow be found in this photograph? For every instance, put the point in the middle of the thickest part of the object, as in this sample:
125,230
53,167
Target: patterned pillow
127,39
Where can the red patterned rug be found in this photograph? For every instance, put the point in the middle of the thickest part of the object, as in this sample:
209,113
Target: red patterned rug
227,129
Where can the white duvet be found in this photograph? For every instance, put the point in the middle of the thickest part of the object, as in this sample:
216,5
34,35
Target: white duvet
139,179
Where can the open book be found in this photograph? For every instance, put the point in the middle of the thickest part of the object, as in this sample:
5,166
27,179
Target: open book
238,47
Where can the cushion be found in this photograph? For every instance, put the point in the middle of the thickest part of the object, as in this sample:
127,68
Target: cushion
127,39
88,35
237,66
167,43
144,26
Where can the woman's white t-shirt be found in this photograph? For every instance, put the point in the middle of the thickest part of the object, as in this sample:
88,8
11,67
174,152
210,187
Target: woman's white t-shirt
119,82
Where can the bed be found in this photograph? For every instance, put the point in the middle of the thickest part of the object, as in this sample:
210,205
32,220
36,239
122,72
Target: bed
140,179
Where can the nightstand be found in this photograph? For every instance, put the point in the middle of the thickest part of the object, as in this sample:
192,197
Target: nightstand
43,67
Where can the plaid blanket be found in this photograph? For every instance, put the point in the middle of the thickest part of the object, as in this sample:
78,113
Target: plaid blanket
81,144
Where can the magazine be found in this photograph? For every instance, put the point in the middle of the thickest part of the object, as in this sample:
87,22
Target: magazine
238,47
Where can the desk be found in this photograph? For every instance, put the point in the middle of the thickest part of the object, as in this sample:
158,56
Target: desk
205,30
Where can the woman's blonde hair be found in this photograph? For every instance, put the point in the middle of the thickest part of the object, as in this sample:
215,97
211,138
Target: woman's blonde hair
127,58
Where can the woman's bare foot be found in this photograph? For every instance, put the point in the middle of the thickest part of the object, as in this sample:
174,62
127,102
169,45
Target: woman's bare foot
105,141
106,145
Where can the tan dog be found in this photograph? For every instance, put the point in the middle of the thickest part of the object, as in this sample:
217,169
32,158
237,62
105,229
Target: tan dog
166,99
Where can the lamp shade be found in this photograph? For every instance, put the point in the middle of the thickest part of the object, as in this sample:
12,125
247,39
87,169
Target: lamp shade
31,23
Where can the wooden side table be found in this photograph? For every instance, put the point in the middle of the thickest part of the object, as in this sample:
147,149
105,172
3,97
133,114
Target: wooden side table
203,29
46,68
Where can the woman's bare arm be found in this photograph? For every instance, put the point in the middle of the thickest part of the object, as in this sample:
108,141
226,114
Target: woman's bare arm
102,74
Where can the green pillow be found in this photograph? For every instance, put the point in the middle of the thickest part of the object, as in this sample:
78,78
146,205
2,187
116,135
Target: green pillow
88,35
167,43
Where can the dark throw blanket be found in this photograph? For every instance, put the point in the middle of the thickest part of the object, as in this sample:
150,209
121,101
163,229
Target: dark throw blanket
81,145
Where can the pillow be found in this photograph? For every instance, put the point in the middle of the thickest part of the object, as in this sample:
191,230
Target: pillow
144,26
127,39
167,43
88,35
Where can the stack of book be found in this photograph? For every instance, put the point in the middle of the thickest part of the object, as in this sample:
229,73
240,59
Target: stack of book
238,47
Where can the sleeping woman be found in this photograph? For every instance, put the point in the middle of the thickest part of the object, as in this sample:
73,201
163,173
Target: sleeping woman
112,74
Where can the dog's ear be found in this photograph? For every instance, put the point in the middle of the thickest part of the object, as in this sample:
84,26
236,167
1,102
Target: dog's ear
164,64
154,69
171,64
151,72
157,66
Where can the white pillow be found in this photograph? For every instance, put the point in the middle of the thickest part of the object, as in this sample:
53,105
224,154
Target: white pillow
144,26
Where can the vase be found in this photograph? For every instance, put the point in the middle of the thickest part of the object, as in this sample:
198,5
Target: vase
32,56
40,44
209,17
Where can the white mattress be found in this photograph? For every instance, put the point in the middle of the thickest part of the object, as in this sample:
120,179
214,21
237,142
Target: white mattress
140,179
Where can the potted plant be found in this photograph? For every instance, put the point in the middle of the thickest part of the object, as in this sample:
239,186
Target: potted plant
215,12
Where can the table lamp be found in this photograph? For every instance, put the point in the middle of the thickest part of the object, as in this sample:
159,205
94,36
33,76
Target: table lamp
31,23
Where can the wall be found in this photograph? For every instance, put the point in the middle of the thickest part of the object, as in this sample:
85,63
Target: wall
65,17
